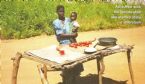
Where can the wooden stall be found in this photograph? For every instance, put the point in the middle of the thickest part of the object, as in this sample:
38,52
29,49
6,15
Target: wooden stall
52,65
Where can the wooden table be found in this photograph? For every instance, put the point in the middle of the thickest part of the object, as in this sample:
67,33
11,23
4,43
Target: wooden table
53,66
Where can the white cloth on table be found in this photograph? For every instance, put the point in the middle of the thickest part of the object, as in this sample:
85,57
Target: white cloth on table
50,53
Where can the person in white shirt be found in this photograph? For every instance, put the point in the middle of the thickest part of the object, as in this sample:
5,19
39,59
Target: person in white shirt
63,34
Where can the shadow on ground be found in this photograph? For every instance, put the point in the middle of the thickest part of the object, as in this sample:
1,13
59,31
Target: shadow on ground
93,79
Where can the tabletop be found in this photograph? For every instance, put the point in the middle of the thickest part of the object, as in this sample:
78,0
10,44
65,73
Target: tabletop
49,55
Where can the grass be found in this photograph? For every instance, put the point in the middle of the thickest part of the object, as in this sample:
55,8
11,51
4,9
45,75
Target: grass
23,19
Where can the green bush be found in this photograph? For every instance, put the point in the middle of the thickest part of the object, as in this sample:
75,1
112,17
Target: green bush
23,19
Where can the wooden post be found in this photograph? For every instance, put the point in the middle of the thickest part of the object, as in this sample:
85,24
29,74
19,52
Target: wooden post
130,66
101,68
16,62
98,64
43,73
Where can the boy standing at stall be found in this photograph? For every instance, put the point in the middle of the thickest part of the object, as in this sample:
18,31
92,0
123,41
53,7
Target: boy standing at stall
74,25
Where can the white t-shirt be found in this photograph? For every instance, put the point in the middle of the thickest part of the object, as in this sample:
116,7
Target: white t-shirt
76,24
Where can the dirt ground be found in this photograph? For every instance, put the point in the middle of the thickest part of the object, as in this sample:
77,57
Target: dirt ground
116,65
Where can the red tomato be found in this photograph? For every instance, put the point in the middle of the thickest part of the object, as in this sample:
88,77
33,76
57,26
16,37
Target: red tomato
78,44
75,47
83,44
71,45
87,45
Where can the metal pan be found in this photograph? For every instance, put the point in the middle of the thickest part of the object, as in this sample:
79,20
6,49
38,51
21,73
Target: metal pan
106,41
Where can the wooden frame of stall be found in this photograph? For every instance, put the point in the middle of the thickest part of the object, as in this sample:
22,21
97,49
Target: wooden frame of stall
43,69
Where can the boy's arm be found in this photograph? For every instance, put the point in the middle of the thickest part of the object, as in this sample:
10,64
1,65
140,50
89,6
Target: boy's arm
68,35
75,29
76,26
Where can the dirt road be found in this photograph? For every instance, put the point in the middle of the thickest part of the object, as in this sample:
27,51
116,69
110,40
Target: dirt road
116,65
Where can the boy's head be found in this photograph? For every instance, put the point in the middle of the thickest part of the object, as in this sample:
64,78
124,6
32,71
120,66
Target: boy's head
73,16
60,10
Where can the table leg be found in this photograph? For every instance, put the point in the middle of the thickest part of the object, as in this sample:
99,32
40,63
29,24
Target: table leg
43,73
130,66
16,62
98,65
101,68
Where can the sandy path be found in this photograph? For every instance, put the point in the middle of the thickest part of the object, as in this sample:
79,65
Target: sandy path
116,65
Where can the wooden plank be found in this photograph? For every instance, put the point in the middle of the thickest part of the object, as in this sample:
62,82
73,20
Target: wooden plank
43,74
130,66
16,62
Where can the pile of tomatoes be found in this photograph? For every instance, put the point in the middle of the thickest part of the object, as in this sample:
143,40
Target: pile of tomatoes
81,44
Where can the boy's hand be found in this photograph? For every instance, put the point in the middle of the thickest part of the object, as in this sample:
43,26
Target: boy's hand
75,34
74,29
